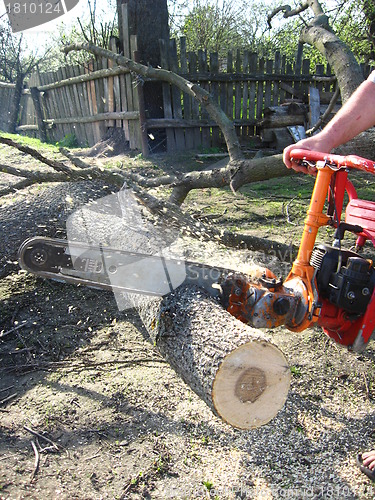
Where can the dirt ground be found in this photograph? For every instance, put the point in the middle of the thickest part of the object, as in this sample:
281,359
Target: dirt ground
107,418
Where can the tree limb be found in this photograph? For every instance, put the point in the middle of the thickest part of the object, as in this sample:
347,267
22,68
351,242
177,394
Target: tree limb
235,174
22,184
34,175
319,34
287,10
339,56
56,165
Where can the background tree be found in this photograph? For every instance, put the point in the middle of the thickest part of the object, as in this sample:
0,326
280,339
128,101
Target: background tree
97,26
218,26
318,32
17,62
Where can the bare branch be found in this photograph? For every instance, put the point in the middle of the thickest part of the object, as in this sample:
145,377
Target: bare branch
34,175
56,165
73,159
287,10
24,183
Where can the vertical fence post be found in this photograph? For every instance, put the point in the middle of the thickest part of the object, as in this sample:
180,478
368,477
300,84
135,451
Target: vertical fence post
35,95
142,113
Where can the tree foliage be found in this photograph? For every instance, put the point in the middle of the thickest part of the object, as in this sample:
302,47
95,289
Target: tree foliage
97,26
218,25
354,22
221,25
16,60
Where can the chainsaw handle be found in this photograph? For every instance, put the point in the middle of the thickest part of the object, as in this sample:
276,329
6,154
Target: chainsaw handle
334,161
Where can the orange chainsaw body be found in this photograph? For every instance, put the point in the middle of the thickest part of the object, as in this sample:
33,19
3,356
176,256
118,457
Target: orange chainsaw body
327,285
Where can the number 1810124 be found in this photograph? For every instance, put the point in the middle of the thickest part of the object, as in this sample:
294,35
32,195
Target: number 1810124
34,8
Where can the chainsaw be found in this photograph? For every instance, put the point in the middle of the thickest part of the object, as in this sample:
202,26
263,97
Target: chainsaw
328,285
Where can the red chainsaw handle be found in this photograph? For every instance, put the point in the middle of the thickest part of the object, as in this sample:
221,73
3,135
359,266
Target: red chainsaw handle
335,161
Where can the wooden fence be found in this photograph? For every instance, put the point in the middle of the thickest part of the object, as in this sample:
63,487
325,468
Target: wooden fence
86,100
82,102
6,100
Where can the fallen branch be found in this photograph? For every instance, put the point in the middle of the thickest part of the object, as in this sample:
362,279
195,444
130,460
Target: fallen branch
9,398
40,436
4,334
56,165
73,159
17,186
37,460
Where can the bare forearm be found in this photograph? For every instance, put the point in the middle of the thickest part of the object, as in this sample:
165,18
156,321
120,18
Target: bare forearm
357,115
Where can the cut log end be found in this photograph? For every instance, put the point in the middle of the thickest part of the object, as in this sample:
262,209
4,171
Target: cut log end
251,385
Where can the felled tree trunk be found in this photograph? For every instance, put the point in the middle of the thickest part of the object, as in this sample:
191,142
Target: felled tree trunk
234,368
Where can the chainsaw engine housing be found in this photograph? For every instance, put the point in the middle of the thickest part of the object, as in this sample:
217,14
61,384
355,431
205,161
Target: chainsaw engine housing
343,277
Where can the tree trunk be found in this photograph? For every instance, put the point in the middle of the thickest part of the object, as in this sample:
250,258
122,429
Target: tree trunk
343,63
149,22
240,375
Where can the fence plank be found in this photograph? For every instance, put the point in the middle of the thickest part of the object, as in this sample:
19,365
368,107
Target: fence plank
202,68
80,130
61,104
276,88
214,69
260,92
167,98
48,104
305,72
252,89
134,125
268,85
192,59
187,113
229,93
82,96
176,95
245,95
127,80
35,95
238,91
116,83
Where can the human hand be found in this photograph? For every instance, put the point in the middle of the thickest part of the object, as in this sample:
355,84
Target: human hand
314,143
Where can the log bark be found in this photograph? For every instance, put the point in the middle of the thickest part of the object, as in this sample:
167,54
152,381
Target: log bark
234,368
278,121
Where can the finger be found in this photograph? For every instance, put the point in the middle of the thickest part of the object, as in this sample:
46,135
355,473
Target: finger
286,159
